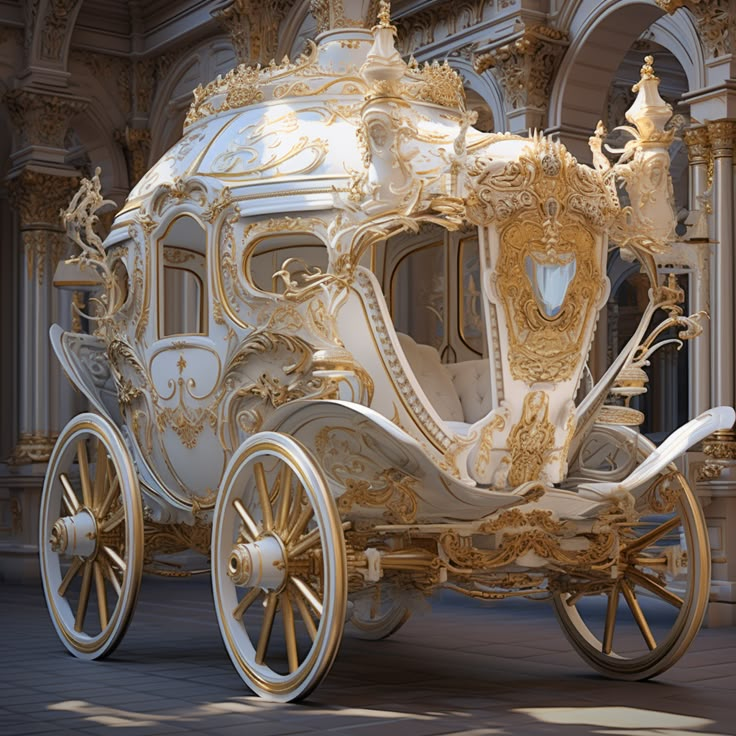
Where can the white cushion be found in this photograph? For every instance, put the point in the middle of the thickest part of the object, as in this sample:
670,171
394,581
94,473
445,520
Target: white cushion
472,381
433,377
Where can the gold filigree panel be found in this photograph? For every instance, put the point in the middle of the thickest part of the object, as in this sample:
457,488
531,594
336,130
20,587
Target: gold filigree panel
547,323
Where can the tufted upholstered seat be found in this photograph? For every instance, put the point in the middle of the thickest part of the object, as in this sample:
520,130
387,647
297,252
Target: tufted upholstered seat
459,392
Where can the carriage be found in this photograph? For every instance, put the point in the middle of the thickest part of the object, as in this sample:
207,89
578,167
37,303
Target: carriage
252,400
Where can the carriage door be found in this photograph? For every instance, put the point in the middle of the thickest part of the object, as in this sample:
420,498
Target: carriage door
185,364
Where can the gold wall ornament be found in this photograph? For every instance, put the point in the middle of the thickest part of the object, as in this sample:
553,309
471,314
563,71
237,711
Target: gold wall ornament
721,445
32,447
253,27
525,67
714,20
136,145
418,28
40,118
531,440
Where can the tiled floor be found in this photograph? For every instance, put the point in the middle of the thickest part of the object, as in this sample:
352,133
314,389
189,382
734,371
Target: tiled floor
464,668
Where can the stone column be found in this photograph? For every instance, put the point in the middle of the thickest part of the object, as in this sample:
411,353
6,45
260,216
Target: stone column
38,198
40,184
721,134
699,158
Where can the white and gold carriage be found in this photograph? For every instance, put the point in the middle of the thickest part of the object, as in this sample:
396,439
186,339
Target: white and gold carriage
334,469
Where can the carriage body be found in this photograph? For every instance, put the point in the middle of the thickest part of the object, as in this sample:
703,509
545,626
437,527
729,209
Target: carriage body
280,414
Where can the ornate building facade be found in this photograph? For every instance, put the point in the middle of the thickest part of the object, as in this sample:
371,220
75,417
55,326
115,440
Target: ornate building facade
107,83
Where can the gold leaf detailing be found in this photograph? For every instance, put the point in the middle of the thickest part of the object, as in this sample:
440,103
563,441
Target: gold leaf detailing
531,440
497,424
392,490
550,212
437,83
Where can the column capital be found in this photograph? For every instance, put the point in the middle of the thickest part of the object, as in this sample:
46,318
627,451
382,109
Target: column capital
698,144
715,22
41,120
39,196
722,136
253,26
525,68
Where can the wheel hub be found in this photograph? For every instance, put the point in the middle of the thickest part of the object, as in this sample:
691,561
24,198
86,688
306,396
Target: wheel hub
261,563
75,535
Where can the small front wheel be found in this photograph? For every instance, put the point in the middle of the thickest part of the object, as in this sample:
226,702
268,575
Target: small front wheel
278,555
91,537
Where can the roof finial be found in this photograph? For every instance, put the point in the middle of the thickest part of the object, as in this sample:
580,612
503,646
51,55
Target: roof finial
647,72
384,14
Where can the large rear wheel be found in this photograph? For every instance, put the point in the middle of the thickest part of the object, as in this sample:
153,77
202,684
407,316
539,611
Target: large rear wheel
637,620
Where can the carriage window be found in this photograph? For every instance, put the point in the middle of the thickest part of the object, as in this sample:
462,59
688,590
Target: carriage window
294,256
183,285
417,289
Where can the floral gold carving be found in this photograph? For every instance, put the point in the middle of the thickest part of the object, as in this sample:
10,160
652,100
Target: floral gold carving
42,119
253,27
715,21
525,67
531,440
32,447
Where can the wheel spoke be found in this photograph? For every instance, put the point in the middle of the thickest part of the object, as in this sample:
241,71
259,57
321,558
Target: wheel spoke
71,502
646,540
109,498
115,557
305,543
289,632
83,596
70,573
638,614
111,576
653,586
375,602
100,473
84,473
262,486
304,613
117,518
246,603
101,595
311,597
282,518
266,627
300,525
251,528
610,624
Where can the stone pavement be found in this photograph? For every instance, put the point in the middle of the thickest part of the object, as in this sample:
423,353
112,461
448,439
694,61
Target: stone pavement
465,668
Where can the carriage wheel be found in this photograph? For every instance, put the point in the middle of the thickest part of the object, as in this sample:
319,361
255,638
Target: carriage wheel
278,553
91,537
377,613
638,623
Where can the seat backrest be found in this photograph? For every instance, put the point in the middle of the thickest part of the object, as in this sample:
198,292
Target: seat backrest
472,382
433,377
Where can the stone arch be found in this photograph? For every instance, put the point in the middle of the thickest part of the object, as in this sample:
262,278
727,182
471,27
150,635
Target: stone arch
485,87
297,26
174,95
601,33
